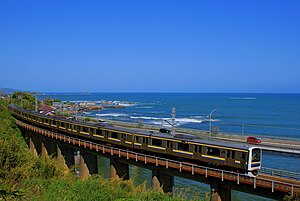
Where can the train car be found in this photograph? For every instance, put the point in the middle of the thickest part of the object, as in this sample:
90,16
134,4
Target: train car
222,155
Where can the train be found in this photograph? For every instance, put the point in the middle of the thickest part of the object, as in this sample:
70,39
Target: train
244,159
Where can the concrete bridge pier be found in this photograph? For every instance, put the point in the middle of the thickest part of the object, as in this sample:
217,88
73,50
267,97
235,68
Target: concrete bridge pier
44,151
118,169
26,136
65,155
88,164
162,182
37,141
49,148
32,148
219,192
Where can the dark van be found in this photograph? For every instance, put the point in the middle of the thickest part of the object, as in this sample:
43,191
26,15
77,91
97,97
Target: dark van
164,130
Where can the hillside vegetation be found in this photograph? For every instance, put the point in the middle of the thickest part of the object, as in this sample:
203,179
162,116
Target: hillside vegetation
25,177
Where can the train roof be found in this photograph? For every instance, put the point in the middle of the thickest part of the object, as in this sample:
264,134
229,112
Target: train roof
181,137
177,137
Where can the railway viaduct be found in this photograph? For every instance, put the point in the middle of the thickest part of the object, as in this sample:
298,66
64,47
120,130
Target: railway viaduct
45,143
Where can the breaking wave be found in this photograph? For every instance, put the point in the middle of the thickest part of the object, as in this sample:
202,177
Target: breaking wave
112,115
179,121
242,98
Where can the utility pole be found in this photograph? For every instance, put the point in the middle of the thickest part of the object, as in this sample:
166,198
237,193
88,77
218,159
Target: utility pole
62,108
99,114
76,108
21,101
36,102
210,120
173,114
243,130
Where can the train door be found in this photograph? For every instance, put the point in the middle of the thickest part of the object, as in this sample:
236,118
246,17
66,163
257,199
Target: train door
145,143
197,152
169,146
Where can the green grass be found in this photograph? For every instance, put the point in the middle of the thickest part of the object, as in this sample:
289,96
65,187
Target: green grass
95,188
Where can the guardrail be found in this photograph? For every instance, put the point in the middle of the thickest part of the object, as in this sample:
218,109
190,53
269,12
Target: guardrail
280,173
273,185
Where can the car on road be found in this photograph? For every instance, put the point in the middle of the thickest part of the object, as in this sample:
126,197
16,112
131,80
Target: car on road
253,140
164,130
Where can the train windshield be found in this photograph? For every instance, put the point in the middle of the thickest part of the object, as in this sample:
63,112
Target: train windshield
256,155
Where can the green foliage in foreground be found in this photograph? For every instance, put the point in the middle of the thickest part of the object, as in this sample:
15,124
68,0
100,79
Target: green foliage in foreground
295,197
95,188
24,177
16,163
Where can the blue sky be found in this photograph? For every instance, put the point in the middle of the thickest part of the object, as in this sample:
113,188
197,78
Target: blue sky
150,46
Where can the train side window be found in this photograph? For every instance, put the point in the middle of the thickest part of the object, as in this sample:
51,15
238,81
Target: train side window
213,151
169,144
137,139
85,129
233,154
156,142
114,135
243,156
124,136
98,132
198,149
145,140
62,124
182,146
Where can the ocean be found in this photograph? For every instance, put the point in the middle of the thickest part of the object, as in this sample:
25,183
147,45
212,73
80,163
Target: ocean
271,115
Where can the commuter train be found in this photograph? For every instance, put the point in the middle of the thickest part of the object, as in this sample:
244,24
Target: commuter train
222,155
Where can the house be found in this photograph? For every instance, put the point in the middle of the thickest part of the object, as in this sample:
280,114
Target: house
46,110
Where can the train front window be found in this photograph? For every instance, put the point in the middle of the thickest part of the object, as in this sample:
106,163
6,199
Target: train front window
256,155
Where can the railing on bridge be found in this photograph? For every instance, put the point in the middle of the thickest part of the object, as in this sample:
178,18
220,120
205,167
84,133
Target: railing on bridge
280,173
282,186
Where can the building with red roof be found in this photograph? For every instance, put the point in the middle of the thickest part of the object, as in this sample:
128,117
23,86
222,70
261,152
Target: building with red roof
46,110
